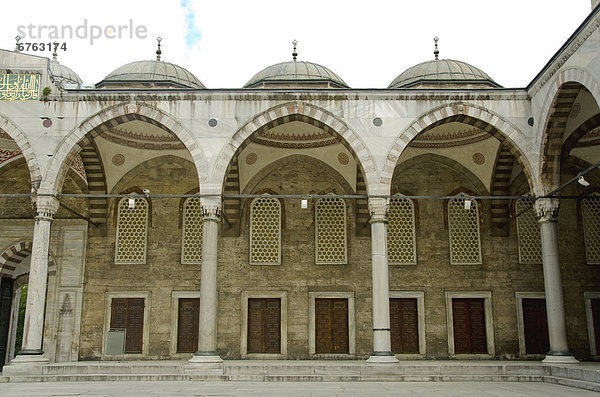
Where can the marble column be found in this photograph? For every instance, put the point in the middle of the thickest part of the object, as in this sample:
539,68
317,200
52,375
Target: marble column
207,337
382,350
33,327
547,211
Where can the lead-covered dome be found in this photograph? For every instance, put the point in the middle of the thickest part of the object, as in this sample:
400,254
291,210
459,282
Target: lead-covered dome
443,73
296,74
150,74
61,74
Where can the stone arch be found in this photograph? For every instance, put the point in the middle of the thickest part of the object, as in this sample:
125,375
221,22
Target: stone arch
19,138
471,114
555,111
82,136
15,254
339,129
96,184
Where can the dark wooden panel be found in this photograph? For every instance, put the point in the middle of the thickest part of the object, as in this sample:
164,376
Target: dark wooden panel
6,290
535,326
404,325
118,313
331,326
596,321
273,326
339,333
323,326
187,325
469,325
264,325
128,314
477,323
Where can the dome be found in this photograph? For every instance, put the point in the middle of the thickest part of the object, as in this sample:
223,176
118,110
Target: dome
296,74
443,73
150,74
62,75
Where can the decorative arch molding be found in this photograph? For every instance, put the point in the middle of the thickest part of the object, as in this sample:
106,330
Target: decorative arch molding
83,135
585,127
466,113
96,184
554,122
19,138
15,254
339,129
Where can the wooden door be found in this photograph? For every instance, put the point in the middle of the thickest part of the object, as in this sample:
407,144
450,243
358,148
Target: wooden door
469,325
535,326
331,326
6,291
187,325
404,325
596,322
264,325
128,314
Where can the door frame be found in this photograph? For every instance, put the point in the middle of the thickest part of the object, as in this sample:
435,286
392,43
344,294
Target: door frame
420,297
107,316
519,296
175,296
312,296
489,322
282,295
588,296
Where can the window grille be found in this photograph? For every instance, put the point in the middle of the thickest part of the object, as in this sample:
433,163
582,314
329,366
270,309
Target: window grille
463,225
191,246
591,228
528,230
401,239
330,235
265,231
132,230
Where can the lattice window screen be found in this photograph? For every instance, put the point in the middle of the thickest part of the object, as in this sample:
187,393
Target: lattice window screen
401,239
132,230
265,231
591,228
330,234
528,230
191,246
463,225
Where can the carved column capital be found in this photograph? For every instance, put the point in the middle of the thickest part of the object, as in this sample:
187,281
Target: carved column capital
211,208
46,207
546,209
378,208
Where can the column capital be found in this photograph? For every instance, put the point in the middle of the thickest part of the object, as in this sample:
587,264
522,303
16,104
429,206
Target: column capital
546,209
211,208
378,208
46,207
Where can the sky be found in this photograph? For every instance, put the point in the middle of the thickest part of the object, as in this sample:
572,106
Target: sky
367,43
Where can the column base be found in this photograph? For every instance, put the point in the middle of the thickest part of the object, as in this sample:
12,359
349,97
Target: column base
26,364
560,358
382,358
205,357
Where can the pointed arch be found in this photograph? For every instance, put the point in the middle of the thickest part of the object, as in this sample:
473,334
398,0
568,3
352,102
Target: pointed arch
28,153
11,258
477,116
83,135
302,112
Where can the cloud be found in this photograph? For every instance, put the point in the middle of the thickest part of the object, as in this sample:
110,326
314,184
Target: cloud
192,35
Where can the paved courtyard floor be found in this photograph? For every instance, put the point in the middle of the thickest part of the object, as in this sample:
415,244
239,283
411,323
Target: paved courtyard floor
290,389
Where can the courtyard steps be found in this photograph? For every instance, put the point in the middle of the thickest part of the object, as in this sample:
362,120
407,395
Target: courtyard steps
583,375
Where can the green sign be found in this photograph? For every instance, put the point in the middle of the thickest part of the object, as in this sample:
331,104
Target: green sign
19,87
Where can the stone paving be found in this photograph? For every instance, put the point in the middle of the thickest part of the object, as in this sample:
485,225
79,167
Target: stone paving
289,389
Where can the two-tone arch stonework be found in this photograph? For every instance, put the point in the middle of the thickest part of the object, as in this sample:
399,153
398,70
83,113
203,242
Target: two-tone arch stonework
339,129
471,114
15,254
28,153
81,137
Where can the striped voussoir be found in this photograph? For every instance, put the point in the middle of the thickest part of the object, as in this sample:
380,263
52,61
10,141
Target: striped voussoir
96,180
232,206
362,205
501,184
15,254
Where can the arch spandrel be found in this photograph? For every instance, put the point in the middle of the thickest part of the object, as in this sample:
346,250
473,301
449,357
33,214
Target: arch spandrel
21,141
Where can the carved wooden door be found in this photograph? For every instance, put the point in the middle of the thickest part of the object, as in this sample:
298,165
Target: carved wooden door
469,325
404,325
331,326
264,325
128,314
187,325
535,325
596,322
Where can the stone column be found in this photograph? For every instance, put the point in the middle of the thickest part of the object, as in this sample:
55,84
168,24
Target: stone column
33,327
547,211
207,336
382,350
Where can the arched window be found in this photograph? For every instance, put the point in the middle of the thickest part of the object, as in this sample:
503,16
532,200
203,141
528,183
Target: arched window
590,209
528,230
132,231
401,239
265,231
191,231
330,233
463,226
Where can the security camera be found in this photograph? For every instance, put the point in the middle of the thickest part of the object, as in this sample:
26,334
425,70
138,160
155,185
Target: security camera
146,191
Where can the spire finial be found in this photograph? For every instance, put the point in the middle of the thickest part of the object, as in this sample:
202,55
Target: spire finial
158,51
436,52
54,54
17,38
295,54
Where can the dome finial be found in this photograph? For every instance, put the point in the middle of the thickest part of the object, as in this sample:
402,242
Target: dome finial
17,38
436,52
54,54
295,54
158,51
